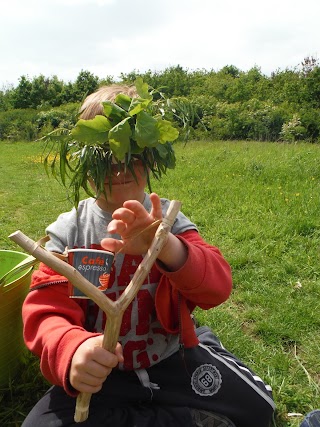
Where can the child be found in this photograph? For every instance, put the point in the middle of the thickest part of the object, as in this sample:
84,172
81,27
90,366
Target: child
164,372
312,419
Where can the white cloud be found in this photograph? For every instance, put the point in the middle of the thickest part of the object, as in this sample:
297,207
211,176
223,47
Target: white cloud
84,2
108,37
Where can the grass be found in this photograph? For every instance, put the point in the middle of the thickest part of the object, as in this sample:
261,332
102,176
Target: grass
259,203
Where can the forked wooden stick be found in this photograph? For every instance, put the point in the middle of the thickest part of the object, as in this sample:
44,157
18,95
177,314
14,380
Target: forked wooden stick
113,309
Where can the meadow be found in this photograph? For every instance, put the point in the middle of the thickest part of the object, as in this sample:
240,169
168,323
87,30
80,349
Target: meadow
259,203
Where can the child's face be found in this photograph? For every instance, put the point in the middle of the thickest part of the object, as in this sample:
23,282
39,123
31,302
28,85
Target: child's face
124,187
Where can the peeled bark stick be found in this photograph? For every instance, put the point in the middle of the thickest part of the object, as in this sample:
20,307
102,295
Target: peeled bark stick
113,309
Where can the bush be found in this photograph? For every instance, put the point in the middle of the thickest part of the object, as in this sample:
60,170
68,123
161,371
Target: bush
18,124
310,118
292,130
263,120
254,120
29,124
64,116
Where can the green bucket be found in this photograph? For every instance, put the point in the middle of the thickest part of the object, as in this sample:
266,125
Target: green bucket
12,295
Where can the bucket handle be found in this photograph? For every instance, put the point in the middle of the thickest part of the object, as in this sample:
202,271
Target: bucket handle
27,262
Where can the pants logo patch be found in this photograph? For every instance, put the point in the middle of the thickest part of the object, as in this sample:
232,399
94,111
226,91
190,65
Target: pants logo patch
206,380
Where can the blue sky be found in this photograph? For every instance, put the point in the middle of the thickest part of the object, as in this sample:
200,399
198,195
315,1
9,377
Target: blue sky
107,37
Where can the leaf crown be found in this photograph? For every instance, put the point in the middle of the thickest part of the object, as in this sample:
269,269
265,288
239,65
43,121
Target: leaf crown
130,129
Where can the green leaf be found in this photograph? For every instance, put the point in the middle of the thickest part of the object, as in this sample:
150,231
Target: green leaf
124,101
162,150
138,105
166,153
142,88
113,112
119,138
168,133
94,131
135,149
146,131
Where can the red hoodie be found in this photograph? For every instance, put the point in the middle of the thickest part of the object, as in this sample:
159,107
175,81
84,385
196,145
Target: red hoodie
54,324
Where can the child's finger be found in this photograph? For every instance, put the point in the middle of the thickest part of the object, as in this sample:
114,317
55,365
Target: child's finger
125,215
116,227
112,245
119,353
137,209
156,211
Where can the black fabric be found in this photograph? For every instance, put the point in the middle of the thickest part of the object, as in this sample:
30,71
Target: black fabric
237,398
183,380
56,409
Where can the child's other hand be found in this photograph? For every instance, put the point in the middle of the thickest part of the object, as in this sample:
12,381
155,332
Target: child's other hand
91,364
130,221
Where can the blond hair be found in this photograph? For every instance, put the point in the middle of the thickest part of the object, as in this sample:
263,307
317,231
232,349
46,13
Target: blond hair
92,105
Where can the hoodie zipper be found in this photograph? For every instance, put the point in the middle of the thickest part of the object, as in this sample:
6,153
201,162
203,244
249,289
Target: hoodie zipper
44,285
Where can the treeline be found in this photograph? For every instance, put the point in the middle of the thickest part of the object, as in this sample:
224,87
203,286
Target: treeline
228,104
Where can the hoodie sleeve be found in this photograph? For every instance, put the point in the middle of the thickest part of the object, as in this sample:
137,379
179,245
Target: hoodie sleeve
53,325
205,279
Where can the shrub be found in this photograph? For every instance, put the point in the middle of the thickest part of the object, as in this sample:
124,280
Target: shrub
310,118
64,116
18,124
29,124
292,130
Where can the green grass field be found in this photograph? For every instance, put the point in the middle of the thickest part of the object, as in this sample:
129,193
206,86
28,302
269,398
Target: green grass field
259,203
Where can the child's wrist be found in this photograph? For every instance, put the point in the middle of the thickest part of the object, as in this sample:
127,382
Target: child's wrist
173,254
165,247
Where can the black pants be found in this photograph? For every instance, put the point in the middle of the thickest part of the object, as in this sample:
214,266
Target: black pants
205,377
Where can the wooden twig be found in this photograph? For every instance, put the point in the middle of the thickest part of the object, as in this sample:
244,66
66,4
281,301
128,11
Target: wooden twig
113,309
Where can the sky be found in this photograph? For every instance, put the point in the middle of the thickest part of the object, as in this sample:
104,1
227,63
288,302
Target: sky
110,37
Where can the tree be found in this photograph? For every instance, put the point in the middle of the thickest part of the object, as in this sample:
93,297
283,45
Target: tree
245,86
231,70
308,65
39,91
173,81
6,98
129,78
21,95
312,88
286,86
176,81
85,84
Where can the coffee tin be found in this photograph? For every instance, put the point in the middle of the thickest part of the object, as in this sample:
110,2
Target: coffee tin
94,265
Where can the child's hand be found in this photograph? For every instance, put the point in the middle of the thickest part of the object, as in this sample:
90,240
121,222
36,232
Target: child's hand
130,221
91,364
